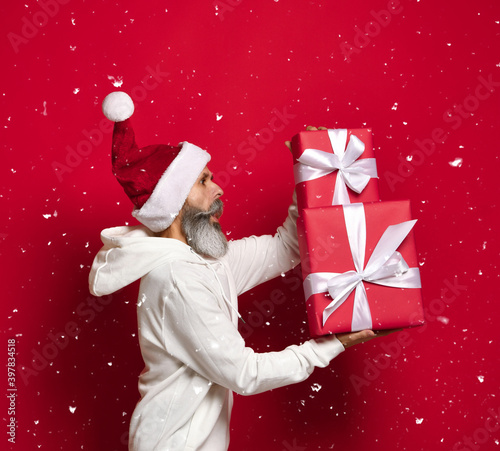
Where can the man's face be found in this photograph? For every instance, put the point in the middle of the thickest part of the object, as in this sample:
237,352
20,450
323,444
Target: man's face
200,217
204,192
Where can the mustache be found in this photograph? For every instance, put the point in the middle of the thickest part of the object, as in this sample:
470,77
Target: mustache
216,209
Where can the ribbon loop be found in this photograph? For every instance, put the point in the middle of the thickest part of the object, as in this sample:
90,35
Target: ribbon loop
394,266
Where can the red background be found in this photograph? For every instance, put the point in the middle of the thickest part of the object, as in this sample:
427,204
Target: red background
223,75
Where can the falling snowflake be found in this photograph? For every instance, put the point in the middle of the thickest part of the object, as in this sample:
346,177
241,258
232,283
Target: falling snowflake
456,163
117,82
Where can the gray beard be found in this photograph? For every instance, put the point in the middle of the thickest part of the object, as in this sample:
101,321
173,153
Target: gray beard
203,235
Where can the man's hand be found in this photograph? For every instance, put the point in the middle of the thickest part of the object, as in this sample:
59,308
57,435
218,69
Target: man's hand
308,128
349,339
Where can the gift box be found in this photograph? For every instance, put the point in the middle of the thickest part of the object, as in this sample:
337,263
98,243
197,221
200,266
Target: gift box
360,269
334,167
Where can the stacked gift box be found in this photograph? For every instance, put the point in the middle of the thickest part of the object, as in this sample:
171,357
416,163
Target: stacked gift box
359,261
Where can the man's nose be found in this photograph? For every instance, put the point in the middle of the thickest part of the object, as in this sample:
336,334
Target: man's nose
217,190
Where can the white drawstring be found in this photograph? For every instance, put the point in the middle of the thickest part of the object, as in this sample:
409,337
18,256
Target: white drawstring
228,302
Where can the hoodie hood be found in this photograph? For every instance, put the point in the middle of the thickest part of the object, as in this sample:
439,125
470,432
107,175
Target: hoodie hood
129,253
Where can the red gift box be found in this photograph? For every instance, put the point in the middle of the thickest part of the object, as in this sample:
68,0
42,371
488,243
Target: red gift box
334,167
361,258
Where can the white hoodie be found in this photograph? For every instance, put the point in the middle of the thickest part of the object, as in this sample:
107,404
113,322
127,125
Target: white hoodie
188,332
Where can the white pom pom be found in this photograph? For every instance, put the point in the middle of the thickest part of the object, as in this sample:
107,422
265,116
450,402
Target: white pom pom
118,106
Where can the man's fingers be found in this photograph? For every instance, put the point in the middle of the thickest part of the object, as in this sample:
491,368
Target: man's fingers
311,128
353,338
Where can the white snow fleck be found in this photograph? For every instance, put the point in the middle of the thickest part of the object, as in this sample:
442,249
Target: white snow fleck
395,106
456,163
72,48
419,420
443,319
197,390
110,363
116,82
480,379
72,409
214,345
142,301
316,387
44,112
218,116
76,90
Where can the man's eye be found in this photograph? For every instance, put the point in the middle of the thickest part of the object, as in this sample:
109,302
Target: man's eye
202,181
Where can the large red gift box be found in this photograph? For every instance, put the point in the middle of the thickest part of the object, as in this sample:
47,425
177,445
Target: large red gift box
334,167
384,281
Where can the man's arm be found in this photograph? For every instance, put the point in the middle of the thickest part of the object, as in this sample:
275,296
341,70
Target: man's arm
255,260
198,333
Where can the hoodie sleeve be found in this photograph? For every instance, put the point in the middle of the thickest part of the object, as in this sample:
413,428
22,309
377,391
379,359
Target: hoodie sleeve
198,333
255,260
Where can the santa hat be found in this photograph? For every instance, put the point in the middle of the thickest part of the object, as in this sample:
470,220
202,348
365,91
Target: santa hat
156,178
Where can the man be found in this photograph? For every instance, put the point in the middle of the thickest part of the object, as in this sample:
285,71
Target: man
187,307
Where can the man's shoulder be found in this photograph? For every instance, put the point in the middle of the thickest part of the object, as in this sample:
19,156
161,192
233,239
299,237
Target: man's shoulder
177,270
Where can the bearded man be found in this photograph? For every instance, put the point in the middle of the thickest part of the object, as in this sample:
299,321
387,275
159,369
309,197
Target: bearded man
187,308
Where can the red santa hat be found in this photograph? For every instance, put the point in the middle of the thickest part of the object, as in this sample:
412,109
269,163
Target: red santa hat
156,178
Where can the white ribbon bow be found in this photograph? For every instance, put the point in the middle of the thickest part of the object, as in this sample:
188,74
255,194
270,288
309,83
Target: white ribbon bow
386,267
315,163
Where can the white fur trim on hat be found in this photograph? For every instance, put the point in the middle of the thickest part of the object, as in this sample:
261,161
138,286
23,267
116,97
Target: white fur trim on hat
118,106
173,188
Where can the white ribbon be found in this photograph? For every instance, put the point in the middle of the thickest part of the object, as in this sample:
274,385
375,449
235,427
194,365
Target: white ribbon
315,163
386,267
